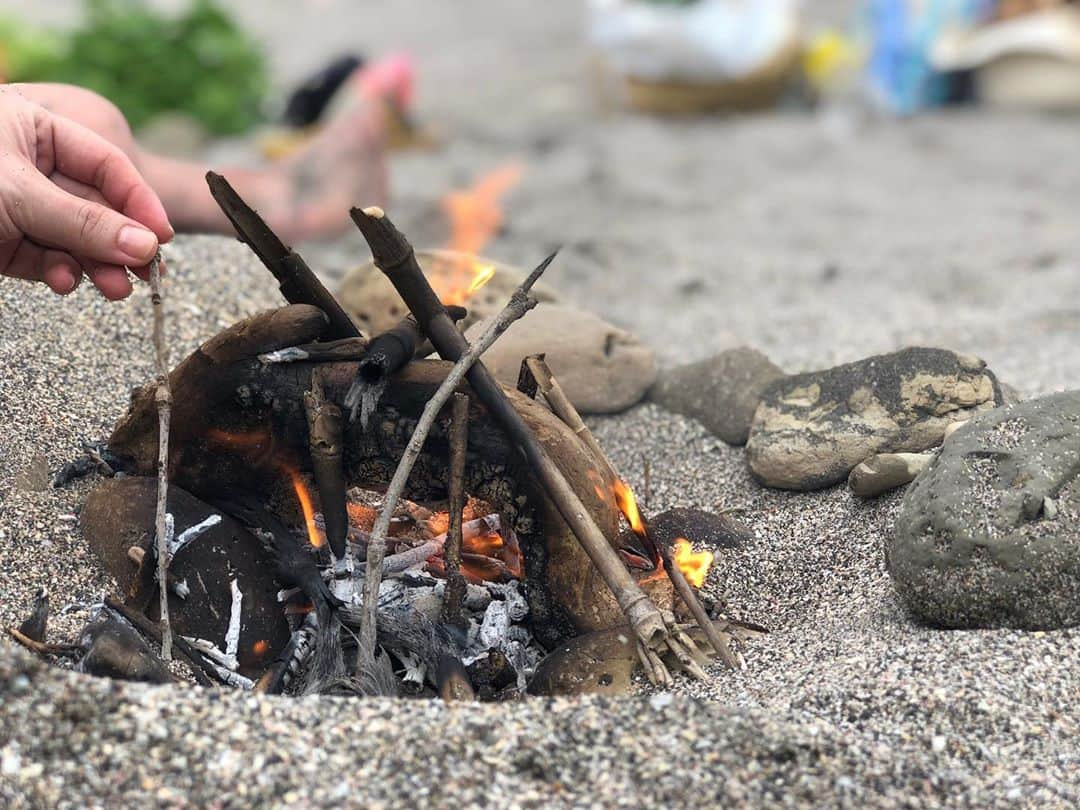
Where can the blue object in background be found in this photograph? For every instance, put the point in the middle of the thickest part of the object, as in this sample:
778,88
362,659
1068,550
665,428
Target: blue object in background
901,34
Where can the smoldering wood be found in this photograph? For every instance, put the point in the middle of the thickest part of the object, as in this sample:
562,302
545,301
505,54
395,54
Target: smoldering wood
203,670
520,303
237,421
387,354
287,664
394,255
115,650
293,565
328,352
297,282
553,392
325,437
454,595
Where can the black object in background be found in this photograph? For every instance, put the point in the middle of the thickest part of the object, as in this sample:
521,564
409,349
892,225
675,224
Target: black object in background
307,102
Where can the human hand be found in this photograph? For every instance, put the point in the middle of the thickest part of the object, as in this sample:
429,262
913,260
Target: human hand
71,203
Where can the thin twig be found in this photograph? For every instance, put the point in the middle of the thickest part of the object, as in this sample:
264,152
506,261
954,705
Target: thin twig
163,398
520,303
41,648
454,595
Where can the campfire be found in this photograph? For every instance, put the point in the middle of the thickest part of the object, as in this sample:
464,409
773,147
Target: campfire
332,513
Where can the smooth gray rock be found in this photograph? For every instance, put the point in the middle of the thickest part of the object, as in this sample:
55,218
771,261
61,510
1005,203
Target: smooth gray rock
602,368
810,430
721,392
989,534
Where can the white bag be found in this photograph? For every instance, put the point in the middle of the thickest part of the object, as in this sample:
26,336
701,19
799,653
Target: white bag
705,41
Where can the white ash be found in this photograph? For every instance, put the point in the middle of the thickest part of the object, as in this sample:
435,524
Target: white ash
186,536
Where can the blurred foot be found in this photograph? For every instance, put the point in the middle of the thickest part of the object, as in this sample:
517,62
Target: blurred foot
308,194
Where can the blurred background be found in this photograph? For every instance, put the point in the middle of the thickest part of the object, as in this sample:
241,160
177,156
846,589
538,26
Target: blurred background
819,158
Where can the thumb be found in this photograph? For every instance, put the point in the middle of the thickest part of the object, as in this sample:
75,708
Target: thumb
51,216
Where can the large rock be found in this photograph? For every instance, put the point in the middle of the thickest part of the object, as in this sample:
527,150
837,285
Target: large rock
721,392
810,430
602,368
989,534
371,300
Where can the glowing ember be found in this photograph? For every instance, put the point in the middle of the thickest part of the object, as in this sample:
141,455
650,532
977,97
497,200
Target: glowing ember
475,216
314,536
361,516
694,564
260,647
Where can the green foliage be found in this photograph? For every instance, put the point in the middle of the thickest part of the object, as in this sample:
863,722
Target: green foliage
146,63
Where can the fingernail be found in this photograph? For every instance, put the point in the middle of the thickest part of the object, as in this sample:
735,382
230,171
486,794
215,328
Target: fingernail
138,243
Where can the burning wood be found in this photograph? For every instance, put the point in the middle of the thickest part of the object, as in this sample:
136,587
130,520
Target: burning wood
252,433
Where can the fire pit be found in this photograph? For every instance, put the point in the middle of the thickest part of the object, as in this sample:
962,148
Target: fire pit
328,526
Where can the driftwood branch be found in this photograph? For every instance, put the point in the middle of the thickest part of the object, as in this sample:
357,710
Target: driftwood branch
395,257
454,595
163,399
297,282
520,303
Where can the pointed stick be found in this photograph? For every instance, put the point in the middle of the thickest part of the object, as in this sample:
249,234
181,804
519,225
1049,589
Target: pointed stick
297,282
454,594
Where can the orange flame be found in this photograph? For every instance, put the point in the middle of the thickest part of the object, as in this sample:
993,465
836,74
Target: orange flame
475,216
314,536
260,647
627,503
694,564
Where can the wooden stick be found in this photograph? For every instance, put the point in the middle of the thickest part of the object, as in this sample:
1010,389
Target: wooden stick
163,399
520,303
454,595
395,257
201,666
297,282
689,598
325,437
41,648
565,410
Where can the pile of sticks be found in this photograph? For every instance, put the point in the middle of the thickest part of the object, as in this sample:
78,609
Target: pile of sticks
431,325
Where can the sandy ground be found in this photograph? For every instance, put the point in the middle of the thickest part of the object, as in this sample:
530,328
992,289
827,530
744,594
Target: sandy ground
780,231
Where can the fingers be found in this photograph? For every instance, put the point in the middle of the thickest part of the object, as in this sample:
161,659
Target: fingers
86,157
51,216
62,272
112,281
35,263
